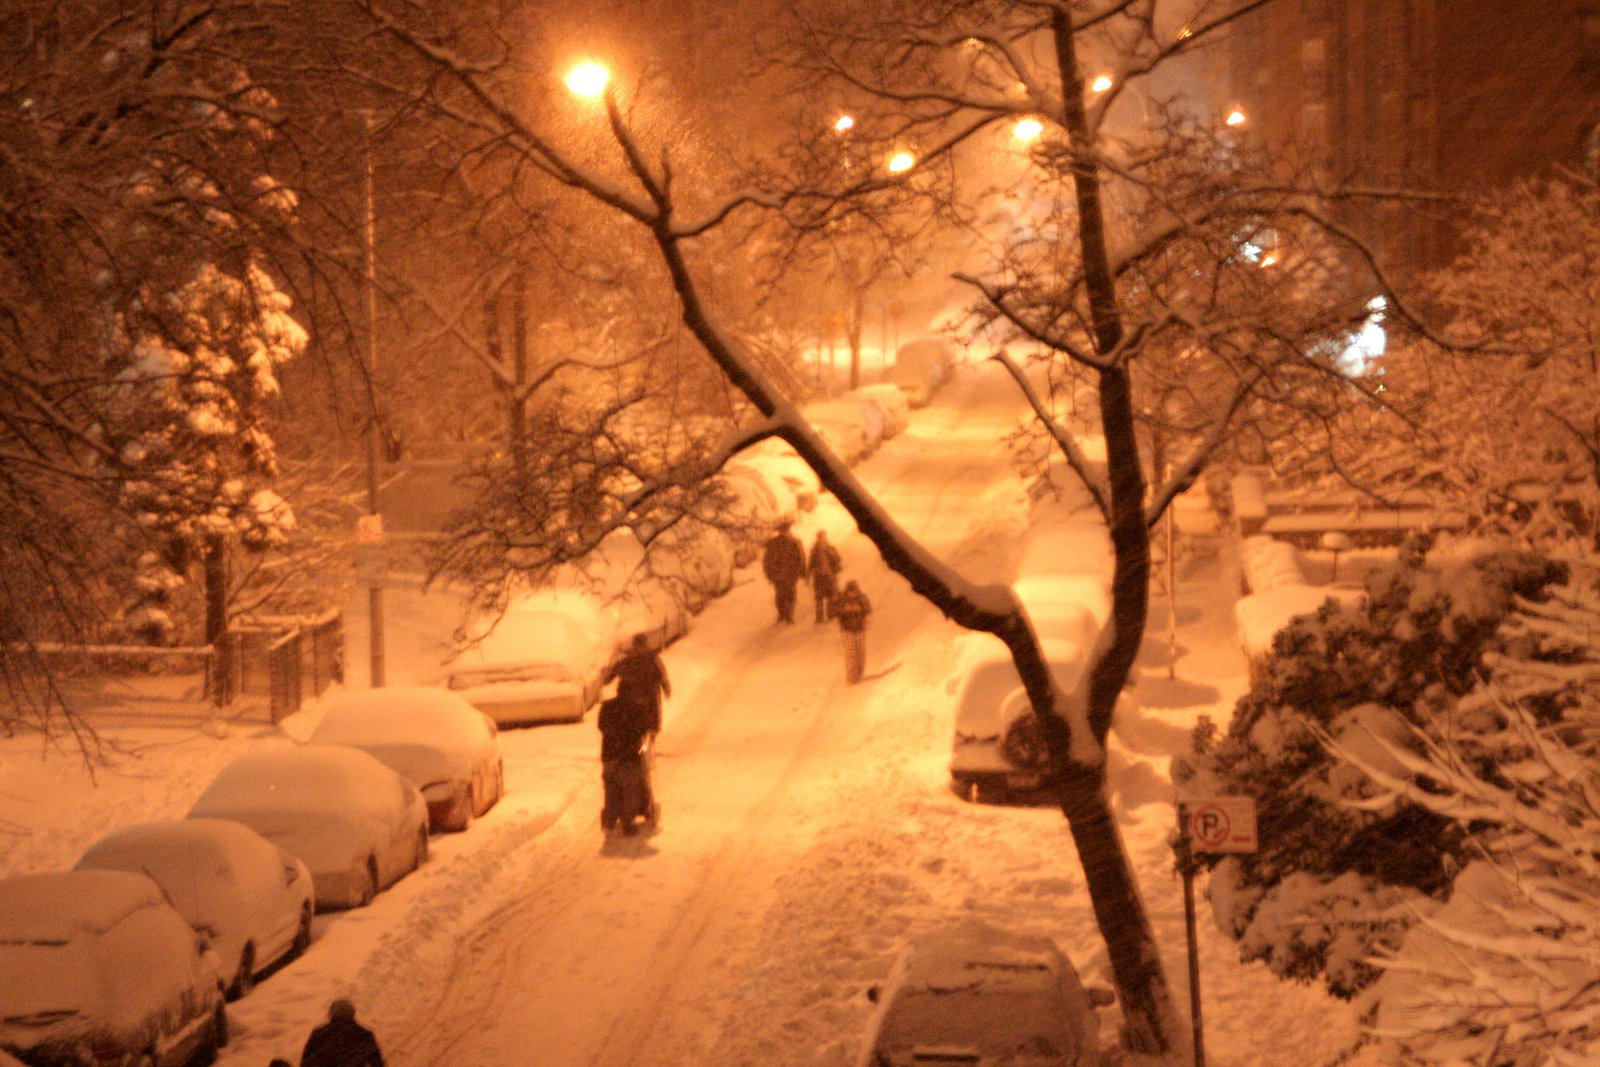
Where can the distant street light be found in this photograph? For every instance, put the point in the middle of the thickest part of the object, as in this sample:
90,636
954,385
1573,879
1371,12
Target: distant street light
1101,84
588,79
1235,117
1027,129
901,162
844,123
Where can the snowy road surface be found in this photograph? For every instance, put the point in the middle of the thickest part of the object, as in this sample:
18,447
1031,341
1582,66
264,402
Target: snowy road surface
807,829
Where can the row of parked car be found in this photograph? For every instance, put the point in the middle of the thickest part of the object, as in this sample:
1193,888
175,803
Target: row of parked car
129,957
547,656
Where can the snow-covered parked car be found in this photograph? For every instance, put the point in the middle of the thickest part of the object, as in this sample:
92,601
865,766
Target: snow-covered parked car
757,500
695,561
544,661
252,900
843,427
1065,607
776,455
785,506
972,993
889,399
443,745
358,826
97,968
998,753
921,368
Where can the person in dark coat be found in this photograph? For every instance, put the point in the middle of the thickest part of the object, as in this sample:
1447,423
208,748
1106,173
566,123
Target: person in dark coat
823,567
624,726
784,564
851,608
642,680
341,1041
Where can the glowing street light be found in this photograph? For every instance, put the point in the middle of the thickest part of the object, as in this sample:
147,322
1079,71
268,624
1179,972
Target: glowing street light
1027,129
588,79
901,162
1235,117
844,123
1100,84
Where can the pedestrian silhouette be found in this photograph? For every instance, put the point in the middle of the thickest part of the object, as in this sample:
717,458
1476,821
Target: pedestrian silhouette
341,1041
784,563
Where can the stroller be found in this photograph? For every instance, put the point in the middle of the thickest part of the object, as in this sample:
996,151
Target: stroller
625,772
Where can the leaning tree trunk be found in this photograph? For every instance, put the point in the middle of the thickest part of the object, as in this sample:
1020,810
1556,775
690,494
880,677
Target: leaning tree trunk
1152,1021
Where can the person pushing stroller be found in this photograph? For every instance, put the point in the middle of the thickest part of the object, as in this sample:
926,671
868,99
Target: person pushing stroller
628,724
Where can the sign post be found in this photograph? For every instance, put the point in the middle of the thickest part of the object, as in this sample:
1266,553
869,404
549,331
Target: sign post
1215,824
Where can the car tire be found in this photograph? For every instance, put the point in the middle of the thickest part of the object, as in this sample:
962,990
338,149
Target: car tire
1023,744
244,980
302,934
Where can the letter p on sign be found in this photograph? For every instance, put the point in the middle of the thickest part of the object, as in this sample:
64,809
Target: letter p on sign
1223,824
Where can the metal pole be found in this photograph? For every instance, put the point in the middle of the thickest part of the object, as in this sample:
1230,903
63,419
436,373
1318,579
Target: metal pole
1172,591
369,240
1186,868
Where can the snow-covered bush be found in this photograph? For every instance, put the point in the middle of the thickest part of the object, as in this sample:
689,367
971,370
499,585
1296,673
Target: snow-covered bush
1507,971
1344,866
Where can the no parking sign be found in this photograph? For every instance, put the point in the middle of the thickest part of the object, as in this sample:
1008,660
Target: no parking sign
1214,824
1222,824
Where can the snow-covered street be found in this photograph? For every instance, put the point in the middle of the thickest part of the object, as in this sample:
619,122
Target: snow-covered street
807,828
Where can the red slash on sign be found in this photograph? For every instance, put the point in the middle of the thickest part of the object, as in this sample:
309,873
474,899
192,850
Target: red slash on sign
1223,824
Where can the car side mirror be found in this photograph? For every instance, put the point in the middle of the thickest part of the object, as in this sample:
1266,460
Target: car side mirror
872,993
1101,997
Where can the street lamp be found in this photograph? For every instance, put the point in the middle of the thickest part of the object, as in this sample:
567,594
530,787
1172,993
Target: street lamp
845,122
1100,84
1028,129
901,162
588,79
1235,117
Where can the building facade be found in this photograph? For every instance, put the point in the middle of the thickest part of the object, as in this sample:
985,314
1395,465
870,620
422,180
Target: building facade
1453,97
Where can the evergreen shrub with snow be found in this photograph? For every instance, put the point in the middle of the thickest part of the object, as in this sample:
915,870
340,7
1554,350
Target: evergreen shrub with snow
1345,866
1506,973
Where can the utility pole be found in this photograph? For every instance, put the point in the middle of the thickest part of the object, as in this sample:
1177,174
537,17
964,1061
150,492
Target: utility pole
374,567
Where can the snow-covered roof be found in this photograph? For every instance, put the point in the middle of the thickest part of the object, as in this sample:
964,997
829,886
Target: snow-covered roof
403,714
62,905
426,733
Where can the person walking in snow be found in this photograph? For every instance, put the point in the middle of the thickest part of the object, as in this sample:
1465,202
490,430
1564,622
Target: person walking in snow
642,680
823,567
341,1041
784,563
851,608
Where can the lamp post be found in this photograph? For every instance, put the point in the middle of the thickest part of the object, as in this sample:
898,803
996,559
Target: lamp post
370,534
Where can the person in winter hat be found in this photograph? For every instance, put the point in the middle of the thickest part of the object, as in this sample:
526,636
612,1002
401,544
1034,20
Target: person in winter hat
851,608
784,563
341,1041
823,567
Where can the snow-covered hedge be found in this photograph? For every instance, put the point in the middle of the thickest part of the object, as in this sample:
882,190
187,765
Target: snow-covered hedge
1345,866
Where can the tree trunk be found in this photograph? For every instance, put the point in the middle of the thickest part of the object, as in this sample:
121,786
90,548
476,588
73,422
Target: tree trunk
1153,1025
